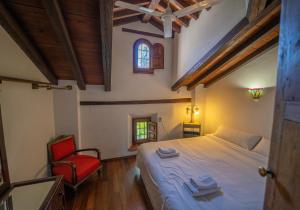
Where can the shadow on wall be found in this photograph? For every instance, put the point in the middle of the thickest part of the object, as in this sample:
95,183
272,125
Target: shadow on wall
235,107
173,133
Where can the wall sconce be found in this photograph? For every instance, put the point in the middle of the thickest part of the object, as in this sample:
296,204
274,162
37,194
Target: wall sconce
188,110
51,87
196,109
191,111
256,93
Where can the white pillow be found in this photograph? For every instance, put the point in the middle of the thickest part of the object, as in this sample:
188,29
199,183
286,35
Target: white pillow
263,147
243,139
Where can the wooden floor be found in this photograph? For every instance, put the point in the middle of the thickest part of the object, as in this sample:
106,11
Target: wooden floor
117,188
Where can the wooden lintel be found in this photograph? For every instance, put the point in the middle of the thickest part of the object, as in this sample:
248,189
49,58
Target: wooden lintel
155,101
15,30
106,24
142,33
57,20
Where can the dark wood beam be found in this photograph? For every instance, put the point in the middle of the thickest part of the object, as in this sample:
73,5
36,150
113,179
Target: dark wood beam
57,20
178,21
15,30
255,7
209,55
225,47
144,33
127,20
155,101
153,5
180,4
142,3
256,41
175,27
157,23
106,24
258,52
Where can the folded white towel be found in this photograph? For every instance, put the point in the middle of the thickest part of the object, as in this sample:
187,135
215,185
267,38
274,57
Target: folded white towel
164,150
204,182
197,193
170,155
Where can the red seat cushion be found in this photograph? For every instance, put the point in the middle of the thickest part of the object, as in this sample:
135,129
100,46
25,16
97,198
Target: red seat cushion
85,165
62,148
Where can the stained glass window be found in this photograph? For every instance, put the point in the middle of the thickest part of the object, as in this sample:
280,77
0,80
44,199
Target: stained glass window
143,58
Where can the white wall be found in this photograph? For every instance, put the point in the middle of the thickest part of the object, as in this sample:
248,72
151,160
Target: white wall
202,34
227,101
125,84
66,111
109,127
28,125
27,114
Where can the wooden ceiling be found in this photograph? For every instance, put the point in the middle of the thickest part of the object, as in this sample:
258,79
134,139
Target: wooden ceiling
251,37
71,40
63,38
123,16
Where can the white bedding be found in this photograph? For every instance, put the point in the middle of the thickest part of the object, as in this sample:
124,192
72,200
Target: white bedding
234,168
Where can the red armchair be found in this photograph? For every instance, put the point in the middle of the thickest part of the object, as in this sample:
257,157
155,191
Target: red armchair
66,160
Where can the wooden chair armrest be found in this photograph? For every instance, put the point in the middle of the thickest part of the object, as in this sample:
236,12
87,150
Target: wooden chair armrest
63,162
90,149
67,163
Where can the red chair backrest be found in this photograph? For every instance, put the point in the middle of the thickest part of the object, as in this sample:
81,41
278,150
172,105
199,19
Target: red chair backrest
62,148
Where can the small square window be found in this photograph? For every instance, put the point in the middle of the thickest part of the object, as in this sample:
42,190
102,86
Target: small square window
143,130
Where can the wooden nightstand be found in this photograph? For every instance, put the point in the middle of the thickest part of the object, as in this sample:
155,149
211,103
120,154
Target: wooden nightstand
191,129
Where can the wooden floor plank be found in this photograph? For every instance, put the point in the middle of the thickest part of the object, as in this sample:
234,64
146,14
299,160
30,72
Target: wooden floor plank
116,189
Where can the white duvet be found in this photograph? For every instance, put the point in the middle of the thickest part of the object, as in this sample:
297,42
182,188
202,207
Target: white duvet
234,168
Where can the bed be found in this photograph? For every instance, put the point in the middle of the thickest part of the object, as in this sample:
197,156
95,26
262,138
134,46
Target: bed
233,167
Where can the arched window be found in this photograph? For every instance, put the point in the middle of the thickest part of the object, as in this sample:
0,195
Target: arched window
142,55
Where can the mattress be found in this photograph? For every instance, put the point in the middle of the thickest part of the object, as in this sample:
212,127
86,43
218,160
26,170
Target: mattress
234,168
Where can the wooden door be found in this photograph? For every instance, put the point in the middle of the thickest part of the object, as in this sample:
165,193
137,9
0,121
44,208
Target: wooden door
283,190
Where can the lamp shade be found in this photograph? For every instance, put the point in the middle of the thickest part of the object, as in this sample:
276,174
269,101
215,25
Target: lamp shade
256,93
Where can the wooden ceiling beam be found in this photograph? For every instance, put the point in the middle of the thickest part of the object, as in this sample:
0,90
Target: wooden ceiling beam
106,25
175,27
255,7
239,37
128,20
156,22
262,37
153,5
178,21
57,20
231,68
15,30
143,4
180,4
